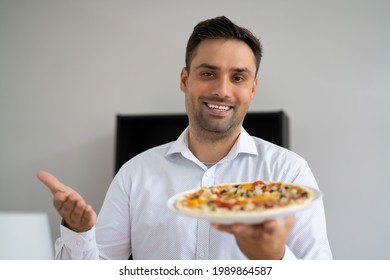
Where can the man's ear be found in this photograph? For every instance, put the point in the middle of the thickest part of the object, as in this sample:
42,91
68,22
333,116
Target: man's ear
183,79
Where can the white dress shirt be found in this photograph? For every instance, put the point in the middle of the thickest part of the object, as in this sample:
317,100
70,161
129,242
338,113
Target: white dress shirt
134,218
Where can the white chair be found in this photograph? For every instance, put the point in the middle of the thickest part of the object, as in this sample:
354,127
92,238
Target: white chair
25,236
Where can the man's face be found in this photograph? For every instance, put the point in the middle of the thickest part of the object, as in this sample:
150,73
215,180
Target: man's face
219,87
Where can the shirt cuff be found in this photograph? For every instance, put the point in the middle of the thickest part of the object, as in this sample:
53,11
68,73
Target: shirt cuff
289,255
78,241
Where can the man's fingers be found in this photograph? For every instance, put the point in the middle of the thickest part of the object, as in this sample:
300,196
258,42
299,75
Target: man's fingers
226,228
78,211
268,226
78,215
246,230
59,198
272,225
236,228
88,215
51,182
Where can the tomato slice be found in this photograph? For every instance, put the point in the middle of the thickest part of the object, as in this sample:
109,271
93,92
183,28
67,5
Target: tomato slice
225,204
221,203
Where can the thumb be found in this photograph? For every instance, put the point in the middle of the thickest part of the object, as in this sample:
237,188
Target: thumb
51,182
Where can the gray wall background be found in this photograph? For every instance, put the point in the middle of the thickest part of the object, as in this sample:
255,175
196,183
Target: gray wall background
68,67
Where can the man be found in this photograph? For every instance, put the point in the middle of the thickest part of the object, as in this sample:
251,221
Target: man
219,82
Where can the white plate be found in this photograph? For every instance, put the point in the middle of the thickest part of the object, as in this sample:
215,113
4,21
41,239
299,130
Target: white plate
242,217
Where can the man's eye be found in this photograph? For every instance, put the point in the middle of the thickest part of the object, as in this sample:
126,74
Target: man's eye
207,74
238,79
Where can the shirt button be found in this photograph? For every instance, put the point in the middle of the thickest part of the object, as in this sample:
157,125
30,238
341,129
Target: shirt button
78,243
208,173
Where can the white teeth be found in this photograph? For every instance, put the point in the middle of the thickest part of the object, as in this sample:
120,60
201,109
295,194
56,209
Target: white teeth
216,107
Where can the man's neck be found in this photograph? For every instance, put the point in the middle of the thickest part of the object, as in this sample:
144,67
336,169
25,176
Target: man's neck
211,149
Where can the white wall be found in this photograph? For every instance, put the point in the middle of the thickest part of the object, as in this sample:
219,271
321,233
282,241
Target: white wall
68,67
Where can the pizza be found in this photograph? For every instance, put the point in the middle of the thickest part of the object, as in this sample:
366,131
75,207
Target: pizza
244,198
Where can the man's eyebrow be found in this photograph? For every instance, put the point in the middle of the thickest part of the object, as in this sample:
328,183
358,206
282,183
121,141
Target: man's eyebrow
213,67
208,66
241,70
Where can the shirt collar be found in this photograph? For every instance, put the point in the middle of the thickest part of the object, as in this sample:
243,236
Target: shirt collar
244,144
180,145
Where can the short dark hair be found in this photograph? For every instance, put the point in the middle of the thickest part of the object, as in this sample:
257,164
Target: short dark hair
221,28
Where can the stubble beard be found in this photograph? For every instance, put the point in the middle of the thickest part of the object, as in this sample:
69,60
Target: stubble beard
212,129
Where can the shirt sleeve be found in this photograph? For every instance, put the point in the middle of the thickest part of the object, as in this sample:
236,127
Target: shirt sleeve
109,238
308,238
76,246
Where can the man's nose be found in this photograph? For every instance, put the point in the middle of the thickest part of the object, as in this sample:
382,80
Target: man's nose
223,87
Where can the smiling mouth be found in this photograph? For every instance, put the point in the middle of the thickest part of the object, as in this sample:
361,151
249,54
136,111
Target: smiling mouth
220,108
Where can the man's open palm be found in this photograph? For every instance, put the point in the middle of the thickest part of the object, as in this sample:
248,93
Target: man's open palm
77,214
